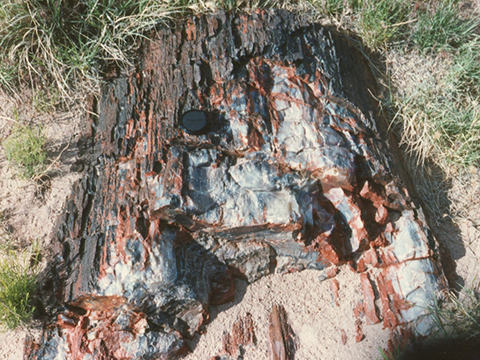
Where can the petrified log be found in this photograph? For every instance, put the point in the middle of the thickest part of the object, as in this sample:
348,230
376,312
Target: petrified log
243,145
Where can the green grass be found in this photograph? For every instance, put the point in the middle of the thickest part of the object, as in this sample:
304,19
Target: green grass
382,22
465,72
7,78
25,150
440,119
17,286
63,43
442,27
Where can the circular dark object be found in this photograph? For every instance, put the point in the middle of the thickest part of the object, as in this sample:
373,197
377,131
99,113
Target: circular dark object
194,121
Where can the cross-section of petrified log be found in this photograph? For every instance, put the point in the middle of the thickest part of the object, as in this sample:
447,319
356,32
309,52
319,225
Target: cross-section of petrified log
242,145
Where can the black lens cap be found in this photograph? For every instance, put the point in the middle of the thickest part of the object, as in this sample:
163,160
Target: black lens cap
194,121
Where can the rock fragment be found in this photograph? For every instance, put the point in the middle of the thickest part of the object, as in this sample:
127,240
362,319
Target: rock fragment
242,335
369,303
281,336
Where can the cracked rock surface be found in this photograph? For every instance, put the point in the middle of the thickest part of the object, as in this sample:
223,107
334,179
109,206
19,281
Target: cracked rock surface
291,171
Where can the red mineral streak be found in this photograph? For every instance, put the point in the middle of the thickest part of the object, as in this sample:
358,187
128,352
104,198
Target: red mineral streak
389,317
99,303
381,215
358,312
369,303
370,257
361,267
190,30
359,336
344,336
334,287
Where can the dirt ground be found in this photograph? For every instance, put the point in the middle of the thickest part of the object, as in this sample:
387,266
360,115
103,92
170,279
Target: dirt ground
29,209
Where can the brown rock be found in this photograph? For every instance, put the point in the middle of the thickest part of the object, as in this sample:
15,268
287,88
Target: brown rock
334,286
242,335
282,339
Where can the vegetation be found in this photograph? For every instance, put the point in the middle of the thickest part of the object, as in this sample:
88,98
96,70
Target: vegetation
72,42
25,149
441,27
384,21
17,286
459,318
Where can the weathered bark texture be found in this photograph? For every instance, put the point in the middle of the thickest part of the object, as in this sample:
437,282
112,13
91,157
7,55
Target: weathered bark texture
242,335
282,338
291,173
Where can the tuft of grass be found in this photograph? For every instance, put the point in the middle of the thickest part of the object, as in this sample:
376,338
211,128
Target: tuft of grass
7,77
46,100
66,42
465,73
383,21
459,318
334,7
440,119
17,286
443,27
25,149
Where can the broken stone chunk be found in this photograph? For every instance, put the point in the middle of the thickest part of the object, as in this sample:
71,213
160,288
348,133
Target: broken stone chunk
282,339
242,335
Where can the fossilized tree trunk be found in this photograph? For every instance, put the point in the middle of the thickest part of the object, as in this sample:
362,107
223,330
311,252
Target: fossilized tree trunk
290,171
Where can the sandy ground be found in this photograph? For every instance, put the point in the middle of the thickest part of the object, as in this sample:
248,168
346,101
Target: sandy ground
323,329
29,209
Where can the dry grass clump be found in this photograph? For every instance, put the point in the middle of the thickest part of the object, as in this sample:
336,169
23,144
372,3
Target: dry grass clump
460,316
439,117
61,43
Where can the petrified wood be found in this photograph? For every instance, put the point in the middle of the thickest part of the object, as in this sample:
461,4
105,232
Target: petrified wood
242,335
282,339
281,166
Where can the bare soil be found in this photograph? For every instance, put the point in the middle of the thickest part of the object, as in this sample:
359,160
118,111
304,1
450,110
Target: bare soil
29,209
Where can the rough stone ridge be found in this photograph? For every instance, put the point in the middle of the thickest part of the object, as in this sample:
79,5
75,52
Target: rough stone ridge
291,172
